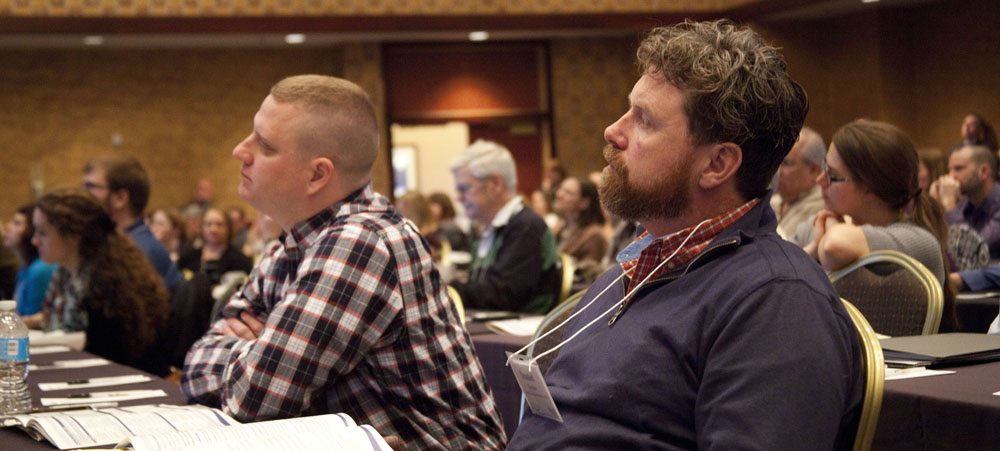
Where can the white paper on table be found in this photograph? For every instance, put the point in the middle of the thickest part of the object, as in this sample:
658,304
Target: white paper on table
124,395
524,326
96,382
75,340
48,349
892,374
63,364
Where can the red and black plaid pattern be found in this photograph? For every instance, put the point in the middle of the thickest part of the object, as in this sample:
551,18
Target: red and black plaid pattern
358,321
658,251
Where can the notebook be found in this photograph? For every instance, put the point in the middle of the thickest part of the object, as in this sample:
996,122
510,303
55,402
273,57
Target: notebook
941,350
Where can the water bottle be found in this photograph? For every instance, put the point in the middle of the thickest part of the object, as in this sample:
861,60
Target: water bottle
14,395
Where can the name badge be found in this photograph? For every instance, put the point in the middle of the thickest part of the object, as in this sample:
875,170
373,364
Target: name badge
529,378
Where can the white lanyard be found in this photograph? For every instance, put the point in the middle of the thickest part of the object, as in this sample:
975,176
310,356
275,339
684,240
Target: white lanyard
609,310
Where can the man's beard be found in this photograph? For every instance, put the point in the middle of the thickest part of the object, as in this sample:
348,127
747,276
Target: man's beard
668,198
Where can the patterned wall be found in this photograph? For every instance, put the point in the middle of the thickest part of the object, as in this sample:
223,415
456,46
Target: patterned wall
180,112
226,8
588,95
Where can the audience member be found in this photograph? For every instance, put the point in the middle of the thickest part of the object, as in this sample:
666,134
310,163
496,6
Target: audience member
977,131
201,196
932,166
873,203
263,233
347,314
724,336
554,176
191,215
443,213
970,193
121,185
241,226
104,285
34,274
8,272
217,255
540,204
513,265
798,196
168,227
583,237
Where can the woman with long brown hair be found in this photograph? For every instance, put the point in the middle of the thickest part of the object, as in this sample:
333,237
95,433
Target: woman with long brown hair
873,202
104,286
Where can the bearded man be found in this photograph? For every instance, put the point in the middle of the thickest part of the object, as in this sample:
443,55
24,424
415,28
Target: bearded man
713,332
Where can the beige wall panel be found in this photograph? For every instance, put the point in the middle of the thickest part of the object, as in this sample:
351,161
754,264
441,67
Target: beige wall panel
179,112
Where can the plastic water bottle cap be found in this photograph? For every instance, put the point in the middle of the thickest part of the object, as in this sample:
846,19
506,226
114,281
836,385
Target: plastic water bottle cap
8,305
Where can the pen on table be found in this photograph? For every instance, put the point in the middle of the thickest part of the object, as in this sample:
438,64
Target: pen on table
109,394
96,405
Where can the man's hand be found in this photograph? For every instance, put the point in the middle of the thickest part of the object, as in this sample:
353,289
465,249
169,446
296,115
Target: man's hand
947,190
246,327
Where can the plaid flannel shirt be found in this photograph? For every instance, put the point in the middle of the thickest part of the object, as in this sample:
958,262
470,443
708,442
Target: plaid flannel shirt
660,248
357,320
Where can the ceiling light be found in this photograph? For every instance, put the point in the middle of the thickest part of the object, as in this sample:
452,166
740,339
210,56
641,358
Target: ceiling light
868,1
295,38
93,40
479,36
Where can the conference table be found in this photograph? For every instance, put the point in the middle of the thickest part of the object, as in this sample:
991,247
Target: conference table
14,438
953,411
976,310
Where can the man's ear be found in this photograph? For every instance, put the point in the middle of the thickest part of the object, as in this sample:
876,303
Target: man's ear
321,169
118,200
724,160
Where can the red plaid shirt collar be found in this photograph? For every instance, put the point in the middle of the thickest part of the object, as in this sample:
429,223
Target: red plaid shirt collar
660,248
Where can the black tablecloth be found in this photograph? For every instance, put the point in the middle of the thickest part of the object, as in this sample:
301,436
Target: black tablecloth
15,439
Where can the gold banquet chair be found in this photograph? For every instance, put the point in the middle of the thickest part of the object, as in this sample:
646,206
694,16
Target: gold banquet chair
568,268
874,369
457,300
552,319
895,292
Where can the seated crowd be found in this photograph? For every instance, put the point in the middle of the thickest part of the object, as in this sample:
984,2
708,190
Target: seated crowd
716,291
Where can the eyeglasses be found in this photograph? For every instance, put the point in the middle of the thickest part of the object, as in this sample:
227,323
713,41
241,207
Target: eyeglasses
90,186
830,179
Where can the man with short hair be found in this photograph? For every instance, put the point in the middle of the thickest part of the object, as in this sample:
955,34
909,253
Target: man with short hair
798,196
513,266
970,194
347,312
713,333
122,186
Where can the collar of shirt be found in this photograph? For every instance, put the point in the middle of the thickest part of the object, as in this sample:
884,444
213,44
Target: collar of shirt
303,233
511,208
643,256
135,225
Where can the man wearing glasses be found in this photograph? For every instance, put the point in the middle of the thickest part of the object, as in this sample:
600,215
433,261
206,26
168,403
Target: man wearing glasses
798,195
122,186
513,265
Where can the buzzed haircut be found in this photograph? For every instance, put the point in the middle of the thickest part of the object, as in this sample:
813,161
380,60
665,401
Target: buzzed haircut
982,155
124,173
347,130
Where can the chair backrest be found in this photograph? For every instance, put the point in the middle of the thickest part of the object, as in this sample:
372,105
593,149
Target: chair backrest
191,307
457,300
565,278
874,371
896,293
552,319
967,248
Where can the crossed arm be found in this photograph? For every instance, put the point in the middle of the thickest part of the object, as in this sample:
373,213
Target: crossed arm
836,241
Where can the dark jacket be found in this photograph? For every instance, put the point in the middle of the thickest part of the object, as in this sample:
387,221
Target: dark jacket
747,346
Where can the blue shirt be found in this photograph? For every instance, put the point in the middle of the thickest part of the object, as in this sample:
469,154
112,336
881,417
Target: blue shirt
157,254
32,281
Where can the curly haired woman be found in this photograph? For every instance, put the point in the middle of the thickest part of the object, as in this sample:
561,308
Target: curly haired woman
104,286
